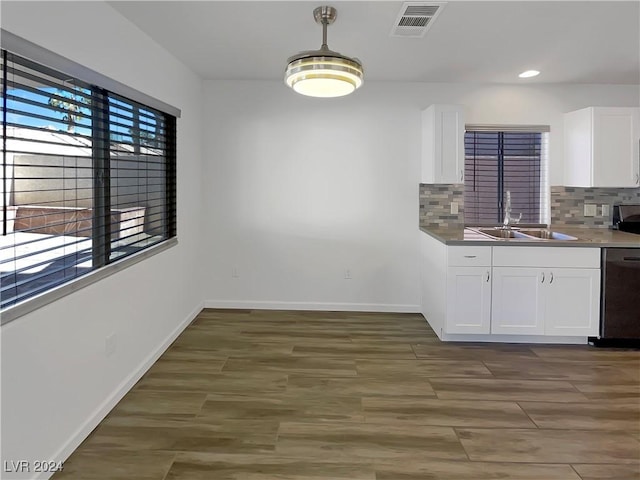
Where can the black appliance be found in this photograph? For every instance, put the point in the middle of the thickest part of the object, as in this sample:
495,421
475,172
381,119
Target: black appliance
619,310
626,218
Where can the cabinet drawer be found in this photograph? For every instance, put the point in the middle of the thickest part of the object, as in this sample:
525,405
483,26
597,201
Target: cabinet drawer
554,257
469,256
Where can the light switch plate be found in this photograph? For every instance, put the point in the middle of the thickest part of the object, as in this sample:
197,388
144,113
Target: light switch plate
590,210
605,210
454,208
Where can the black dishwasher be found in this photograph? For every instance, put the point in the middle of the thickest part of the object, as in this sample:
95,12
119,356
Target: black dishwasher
620,300
620,308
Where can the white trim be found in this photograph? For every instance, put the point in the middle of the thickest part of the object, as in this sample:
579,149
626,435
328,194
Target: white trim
540,339
507,128
101,412
545,181
20,46
33,303
330,307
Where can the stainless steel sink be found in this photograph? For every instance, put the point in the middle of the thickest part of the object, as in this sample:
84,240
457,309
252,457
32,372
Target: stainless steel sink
524,234
503,233
547,235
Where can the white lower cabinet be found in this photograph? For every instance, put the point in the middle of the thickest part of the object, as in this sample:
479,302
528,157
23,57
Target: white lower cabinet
546,291
543,301
518,291
468,300
572,302
513,293
518,301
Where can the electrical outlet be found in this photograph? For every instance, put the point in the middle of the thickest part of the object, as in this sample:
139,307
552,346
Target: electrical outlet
590,210
605,210
110,344
235,273
347,274
454,208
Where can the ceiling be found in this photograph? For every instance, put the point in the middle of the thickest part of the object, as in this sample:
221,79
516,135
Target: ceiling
594,42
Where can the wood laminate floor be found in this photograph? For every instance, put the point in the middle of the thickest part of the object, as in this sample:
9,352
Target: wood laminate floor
256,395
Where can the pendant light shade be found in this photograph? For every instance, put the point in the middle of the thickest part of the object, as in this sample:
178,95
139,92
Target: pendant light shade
323,72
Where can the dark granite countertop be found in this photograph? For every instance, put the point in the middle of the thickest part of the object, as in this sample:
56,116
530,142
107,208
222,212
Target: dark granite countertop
585,237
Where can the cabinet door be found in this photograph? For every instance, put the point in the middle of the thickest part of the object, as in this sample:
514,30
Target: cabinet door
578,143
468,300
572,303
615,147
443,144
517,305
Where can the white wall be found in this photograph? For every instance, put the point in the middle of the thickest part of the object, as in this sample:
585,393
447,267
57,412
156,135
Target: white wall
56,379
299,189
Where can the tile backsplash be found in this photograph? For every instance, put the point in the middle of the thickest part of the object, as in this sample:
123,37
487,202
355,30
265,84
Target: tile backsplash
435,204
567,204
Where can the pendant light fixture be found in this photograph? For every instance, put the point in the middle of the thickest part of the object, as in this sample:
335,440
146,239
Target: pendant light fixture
323,72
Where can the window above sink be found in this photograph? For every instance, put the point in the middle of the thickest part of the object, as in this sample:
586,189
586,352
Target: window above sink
502,158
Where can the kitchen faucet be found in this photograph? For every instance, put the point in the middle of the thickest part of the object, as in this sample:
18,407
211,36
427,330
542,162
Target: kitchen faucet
507,214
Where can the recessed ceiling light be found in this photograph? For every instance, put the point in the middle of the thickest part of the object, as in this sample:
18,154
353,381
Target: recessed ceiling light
529,74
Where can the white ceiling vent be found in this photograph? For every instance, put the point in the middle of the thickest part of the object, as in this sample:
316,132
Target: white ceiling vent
415,18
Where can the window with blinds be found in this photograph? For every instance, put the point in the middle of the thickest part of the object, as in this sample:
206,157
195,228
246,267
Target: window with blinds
498,160
88,178
142,181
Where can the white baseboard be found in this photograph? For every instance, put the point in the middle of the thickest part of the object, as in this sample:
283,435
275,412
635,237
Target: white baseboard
538,339
495,338
78,437
330,307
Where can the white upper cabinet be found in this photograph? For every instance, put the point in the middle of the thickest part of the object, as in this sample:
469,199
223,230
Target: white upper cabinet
602,147
443,144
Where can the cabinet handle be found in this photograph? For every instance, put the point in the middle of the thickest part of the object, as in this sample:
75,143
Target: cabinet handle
469,256
488,276
551,281
542,277
461,175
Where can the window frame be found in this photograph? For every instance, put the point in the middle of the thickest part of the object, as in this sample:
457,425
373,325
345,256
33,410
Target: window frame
21,47
544,130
